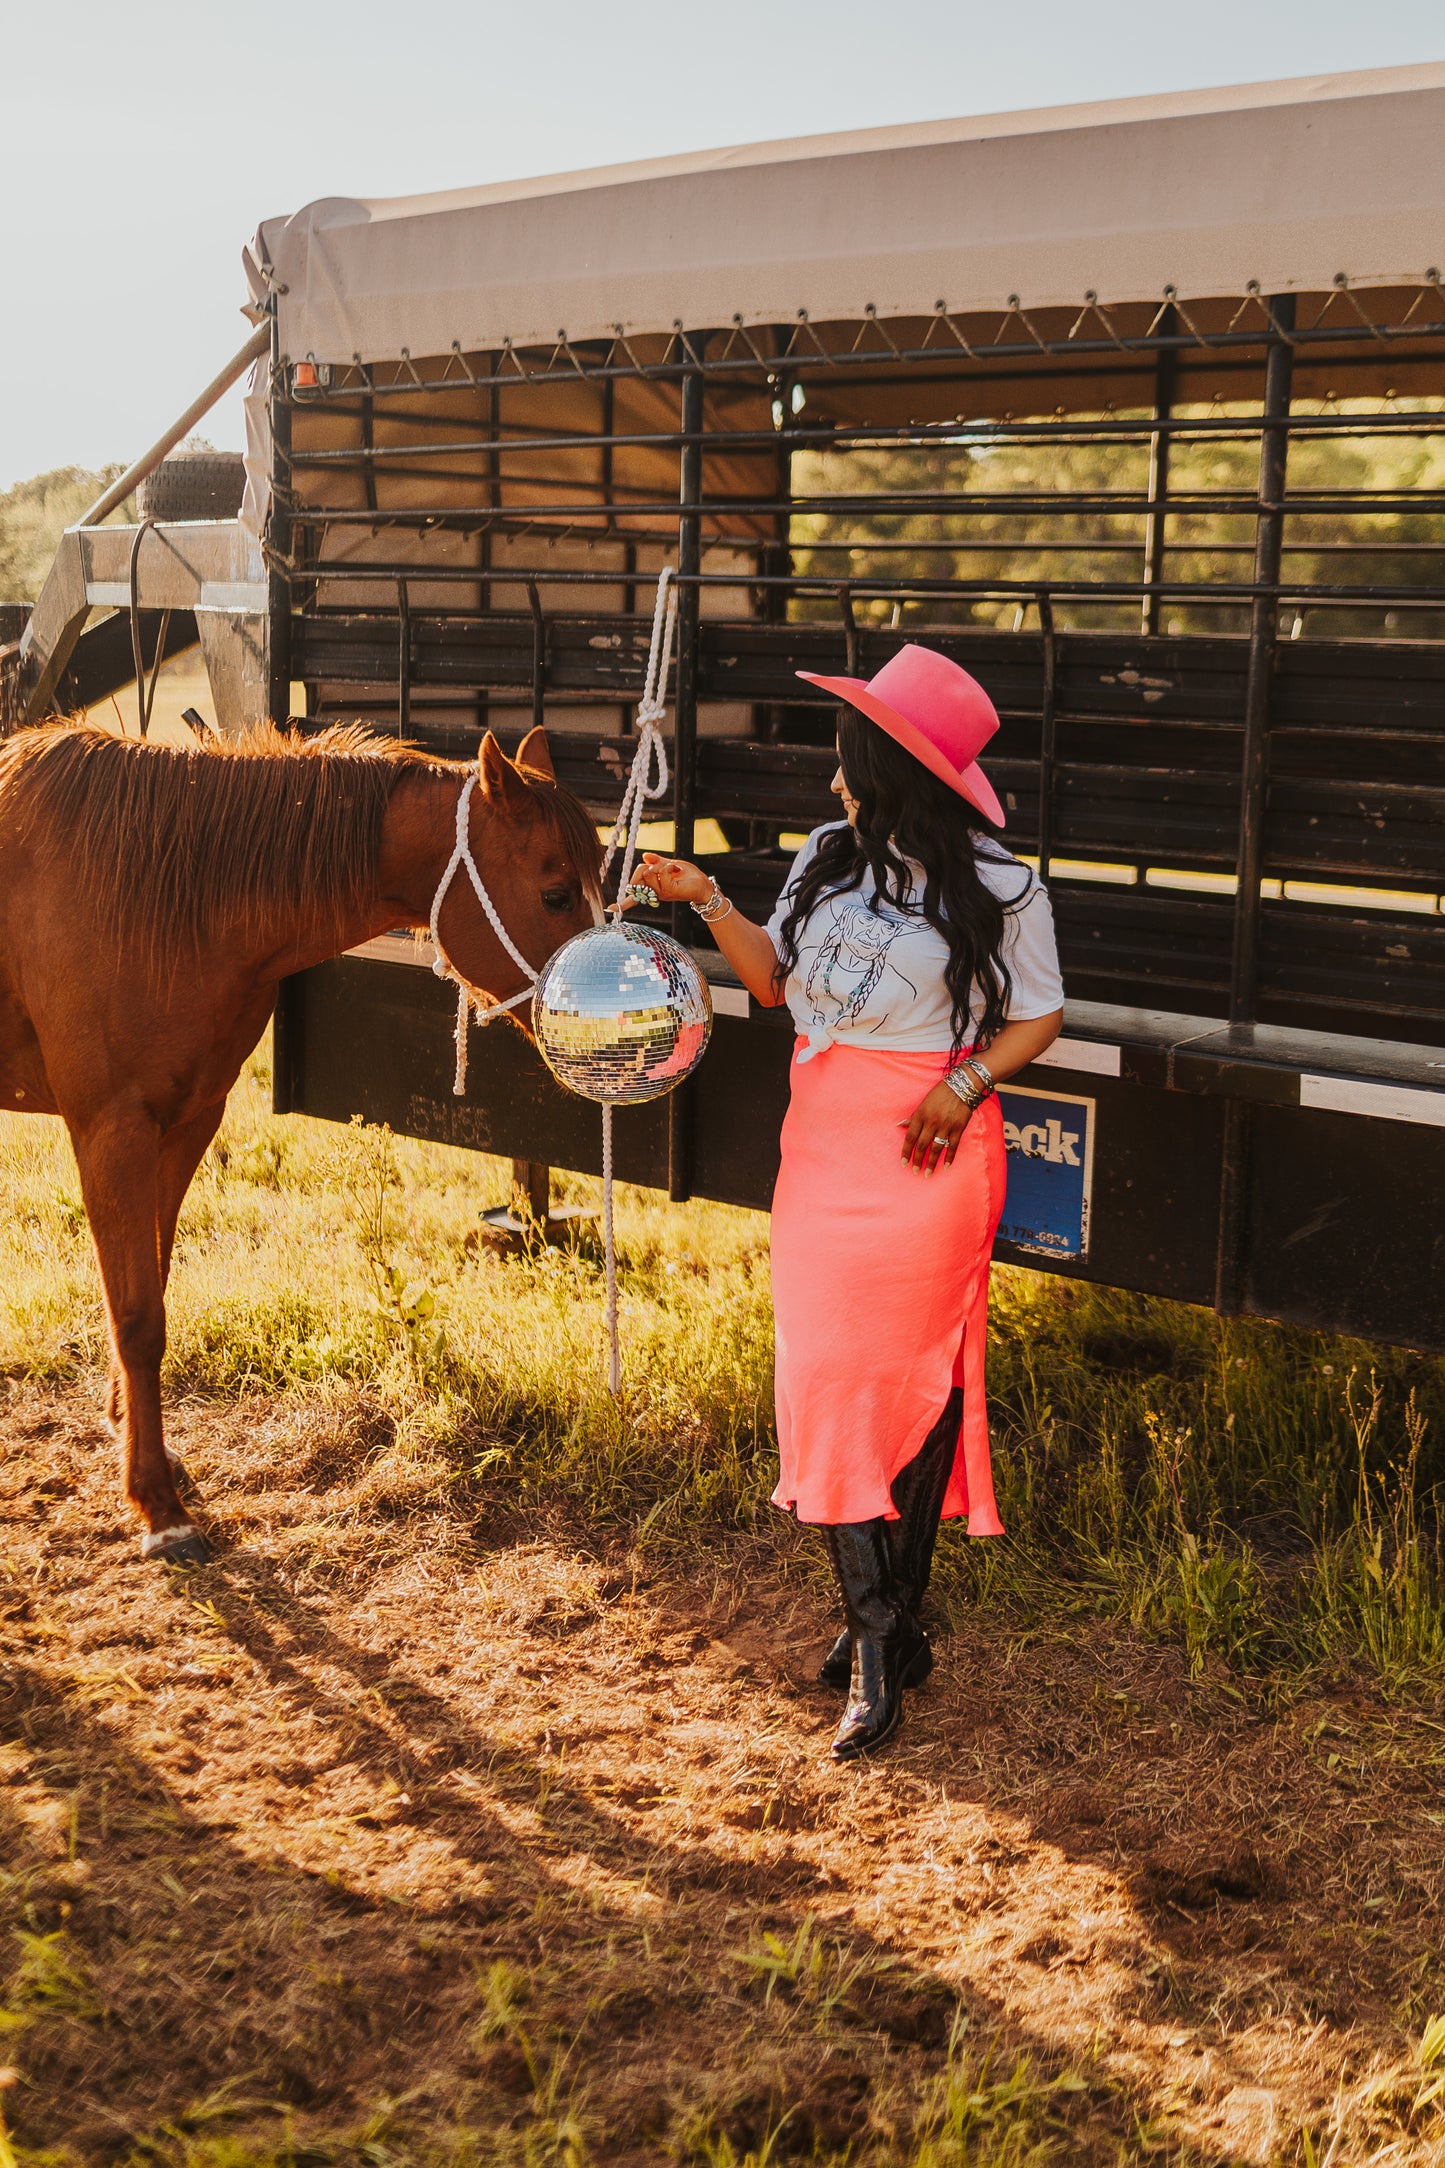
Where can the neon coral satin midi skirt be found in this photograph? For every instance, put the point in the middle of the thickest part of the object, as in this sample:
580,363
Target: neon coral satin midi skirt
880,1289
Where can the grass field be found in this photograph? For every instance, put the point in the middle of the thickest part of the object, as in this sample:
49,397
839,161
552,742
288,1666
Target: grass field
474,1806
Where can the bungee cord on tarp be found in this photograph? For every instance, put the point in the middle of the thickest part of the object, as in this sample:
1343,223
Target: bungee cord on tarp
646,783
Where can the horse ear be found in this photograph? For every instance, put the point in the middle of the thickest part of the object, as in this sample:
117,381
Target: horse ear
496,773
535,753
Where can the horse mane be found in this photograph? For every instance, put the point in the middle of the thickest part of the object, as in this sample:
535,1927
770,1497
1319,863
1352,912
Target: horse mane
170,843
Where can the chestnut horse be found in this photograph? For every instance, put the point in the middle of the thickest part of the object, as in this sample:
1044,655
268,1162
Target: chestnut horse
151,900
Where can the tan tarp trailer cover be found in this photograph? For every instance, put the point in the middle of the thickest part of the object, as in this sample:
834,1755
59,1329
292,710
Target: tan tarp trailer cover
1286,184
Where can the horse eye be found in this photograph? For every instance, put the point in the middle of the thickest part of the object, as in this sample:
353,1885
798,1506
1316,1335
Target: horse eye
557,899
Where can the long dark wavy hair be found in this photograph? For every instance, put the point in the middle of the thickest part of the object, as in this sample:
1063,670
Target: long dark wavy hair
904,812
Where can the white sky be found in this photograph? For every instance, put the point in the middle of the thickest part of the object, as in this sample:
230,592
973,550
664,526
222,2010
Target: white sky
142,141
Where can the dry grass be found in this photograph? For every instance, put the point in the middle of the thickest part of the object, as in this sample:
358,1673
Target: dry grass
474,1807
458,1835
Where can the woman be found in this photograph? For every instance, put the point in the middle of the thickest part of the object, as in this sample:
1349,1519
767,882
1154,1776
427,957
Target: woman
918,959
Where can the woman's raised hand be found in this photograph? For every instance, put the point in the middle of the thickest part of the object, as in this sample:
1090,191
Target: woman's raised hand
672,880
748,948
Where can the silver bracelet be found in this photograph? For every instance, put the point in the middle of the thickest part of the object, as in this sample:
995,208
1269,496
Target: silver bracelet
964,1085
717,905
980,1070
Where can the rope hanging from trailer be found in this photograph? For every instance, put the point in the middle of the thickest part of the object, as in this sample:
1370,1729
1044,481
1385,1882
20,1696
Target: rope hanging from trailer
646,783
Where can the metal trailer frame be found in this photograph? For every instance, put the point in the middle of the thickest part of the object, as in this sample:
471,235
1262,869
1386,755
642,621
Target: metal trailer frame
1267,1111
473,538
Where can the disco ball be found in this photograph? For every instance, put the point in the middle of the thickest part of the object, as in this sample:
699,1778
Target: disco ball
622,1013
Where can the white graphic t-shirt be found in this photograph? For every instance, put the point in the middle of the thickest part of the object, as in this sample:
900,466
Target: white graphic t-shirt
871,974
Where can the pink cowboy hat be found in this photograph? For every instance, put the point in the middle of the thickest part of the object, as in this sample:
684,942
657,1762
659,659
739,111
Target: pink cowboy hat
935,711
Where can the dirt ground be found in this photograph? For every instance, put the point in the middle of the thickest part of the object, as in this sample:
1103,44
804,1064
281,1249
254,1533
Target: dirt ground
395,1824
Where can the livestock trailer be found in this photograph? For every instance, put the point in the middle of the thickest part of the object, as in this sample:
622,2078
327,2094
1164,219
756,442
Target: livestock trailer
1136,410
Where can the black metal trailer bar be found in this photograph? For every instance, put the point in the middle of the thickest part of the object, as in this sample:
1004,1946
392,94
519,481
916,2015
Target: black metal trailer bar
1242,814
365,572
1123,428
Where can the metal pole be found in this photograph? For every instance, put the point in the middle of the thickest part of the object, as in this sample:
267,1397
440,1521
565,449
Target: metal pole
403,623
684,745
288,1031
531,1191
1048,736
484,540
367,431
1166,376
278,550
689,564
1236,1141
135,474
628,550
850,628
539,656
1263,638
494,480
776,557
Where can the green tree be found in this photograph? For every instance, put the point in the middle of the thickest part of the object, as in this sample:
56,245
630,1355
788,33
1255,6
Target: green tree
34,515
931,536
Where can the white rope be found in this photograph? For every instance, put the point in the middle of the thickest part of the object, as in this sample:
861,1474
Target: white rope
462,856
649,778
647,782
469,1000
609,1246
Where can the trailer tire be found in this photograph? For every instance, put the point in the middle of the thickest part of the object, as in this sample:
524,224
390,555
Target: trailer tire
194,485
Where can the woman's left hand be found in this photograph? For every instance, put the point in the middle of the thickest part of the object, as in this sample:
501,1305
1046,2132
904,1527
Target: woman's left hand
931,1139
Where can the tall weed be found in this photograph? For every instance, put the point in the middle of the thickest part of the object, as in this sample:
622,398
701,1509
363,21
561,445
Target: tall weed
1376,1587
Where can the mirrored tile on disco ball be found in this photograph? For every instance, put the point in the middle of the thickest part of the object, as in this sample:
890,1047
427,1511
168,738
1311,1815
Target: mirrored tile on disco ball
622,1014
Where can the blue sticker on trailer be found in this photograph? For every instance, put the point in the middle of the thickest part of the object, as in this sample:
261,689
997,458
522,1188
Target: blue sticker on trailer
1049,1139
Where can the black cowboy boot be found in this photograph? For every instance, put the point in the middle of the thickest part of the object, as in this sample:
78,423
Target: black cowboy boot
836,1668
918,1494
863,1563
918,1491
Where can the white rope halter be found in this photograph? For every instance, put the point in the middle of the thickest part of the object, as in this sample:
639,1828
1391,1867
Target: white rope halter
470,998
646,783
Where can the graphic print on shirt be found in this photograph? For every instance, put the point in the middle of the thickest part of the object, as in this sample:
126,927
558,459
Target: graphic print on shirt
850,963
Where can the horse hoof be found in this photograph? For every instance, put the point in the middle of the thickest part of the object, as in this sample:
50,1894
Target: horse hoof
182,1546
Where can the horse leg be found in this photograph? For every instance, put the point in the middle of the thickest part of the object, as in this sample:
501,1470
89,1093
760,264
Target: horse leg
120,1177
182,1150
